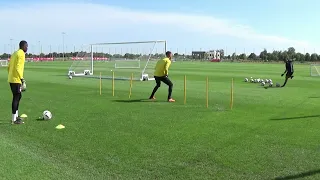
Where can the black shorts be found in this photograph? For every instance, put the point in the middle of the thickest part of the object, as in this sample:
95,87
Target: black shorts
289,74
163,79
15,88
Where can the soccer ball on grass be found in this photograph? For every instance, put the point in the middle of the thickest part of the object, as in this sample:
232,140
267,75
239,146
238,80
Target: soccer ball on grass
46,115
270,84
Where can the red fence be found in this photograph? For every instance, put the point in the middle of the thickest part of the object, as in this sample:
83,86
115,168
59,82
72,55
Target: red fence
215,60
73,58
95,58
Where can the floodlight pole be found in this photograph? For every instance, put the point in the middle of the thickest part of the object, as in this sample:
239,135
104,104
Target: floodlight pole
63,33
39,50
11,46
91,49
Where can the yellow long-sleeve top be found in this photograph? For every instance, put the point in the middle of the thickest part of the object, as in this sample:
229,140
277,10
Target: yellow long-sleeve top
162,67
16,67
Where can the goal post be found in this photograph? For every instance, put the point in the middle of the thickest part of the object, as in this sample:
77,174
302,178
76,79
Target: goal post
123,58
82,63
314,69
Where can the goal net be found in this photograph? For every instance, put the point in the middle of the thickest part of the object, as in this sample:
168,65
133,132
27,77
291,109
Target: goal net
123,59
315,70
3,63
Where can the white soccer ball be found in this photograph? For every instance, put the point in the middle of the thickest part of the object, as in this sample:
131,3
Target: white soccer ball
246,79
277,84
70,77
46,115
270,84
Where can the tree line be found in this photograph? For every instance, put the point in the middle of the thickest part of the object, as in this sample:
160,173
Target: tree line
264,55
290,53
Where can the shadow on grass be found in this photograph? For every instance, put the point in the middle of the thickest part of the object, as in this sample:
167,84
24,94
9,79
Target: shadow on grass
299,117
314,97
133,100
272,87
40,119
300,175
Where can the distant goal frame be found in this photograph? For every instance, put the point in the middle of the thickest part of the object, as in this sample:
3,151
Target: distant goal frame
4,64
314,65
143,77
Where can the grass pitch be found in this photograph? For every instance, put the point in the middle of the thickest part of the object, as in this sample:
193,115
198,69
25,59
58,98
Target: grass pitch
271,133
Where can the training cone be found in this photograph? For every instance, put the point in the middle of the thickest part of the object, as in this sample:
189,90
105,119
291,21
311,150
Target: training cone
60,126
23,116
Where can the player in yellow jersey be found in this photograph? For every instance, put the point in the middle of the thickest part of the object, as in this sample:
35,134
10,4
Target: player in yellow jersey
161,74
16,80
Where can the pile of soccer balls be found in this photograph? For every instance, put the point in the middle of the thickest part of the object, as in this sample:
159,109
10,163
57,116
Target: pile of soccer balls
263,82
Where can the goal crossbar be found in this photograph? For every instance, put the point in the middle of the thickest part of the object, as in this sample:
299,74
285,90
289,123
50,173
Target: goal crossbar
88,58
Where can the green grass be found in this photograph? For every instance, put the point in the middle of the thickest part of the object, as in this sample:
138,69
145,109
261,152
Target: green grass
270,132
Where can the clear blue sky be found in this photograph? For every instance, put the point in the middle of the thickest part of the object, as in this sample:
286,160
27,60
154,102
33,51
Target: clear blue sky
245,25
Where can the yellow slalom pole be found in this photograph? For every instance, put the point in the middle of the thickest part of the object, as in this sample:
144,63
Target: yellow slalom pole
112,83
231,95
207,92
185,89
100,84
130,91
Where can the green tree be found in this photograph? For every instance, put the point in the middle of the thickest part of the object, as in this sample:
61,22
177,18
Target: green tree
272,57
275,55
284,56
243,56
299,57
291,52
314,57
252,56
307,57
264,55
234,56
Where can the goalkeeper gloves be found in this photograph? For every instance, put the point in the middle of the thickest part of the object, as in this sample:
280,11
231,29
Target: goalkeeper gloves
24,85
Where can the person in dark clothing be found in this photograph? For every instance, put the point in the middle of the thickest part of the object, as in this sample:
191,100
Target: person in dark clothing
289,71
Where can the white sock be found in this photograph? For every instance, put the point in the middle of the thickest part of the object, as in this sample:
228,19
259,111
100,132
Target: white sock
14,117
17,114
